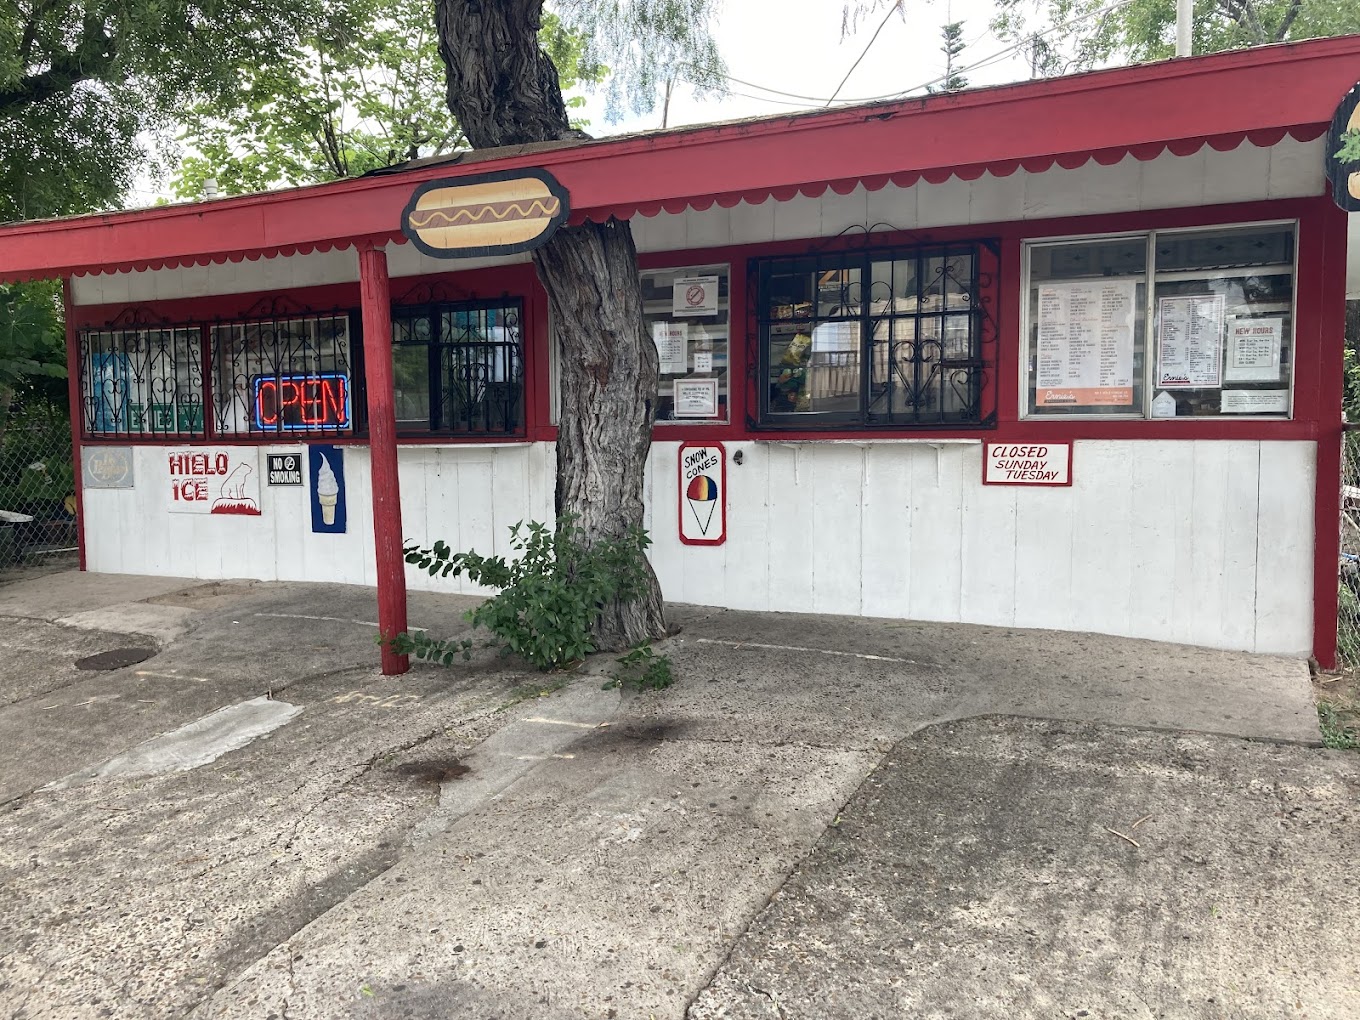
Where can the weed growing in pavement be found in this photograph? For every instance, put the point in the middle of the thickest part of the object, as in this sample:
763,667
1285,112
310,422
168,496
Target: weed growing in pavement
642,669
551,590
528,692
1337,733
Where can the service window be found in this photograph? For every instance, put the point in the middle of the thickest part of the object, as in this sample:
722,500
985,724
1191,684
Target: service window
141,382
458,368
888,338
1171,324
688,315
288,376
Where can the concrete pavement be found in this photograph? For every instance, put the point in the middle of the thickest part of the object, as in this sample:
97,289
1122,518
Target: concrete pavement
1003,867
451,844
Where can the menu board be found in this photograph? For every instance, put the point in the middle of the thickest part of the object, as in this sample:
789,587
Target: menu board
1190,342
1086,340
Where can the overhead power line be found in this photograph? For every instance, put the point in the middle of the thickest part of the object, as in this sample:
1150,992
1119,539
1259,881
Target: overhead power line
863,53
978,65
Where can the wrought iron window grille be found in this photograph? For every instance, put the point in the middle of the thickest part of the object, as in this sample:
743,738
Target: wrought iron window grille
285,370
141,376
875,337
458,366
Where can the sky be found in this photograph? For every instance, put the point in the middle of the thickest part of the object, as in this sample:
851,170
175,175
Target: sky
799,51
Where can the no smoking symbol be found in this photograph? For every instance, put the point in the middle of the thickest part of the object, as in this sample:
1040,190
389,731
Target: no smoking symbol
694,296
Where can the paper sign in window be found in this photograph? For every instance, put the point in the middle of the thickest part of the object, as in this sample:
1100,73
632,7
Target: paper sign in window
1255,402
672,346
1086,341
1190,342
1254,350
695,295
696,398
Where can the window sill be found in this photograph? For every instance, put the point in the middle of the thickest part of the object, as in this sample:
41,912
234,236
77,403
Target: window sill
473,444
869,441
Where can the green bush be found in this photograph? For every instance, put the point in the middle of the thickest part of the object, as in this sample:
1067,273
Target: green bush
552,590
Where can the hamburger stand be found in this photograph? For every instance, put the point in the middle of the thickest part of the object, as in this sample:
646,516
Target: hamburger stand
1063,354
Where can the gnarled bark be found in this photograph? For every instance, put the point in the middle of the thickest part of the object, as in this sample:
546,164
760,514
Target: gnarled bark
504,91
502,87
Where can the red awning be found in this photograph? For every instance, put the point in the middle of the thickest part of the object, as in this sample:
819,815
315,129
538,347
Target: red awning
1253,96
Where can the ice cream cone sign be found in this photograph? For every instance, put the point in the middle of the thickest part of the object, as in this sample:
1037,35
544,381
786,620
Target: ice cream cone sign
327,491
326,467
703,494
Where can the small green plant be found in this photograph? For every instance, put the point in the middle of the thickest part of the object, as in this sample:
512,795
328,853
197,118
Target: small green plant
422,646
642,669
551,591
1337,733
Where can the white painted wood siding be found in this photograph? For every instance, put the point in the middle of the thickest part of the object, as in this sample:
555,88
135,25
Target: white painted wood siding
466,495
1205,542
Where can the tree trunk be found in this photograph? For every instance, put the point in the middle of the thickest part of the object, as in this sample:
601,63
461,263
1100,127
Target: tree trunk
504,91
608,371
502,88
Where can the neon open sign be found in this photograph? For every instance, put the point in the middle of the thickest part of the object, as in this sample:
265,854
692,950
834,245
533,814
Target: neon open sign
301,402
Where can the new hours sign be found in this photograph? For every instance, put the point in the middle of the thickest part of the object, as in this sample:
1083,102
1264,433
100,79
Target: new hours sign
1027,464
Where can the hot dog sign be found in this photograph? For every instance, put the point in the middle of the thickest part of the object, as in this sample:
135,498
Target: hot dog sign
485,214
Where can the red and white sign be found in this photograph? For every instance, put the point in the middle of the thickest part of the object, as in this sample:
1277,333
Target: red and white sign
703,493
1027,464
214,480
695,295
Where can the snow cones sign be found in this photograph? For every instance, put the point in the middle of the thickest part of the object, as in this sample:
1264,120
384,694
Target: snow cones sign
703,493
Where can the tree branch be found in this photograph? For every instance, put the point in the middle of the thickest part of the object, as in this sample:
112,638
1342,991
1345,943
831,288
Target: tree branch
1242,12
93,57
1287,22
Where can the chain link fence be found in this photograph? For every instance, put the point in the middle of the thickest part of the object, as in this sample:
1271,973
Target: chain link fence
37,487
1348,602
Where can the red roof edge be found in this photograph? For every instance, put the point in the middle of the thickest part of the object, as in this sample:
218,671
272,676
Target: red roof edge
1142,110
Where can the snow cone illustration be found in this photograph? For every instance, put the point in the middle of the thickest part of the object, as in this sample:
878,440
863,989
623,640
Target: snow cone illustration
702,493
327,491
234,498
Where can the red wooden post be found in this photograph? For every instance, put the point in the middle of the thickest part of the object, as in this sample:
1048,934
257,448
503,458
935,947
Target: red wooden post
1329,291
382,449
77,413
